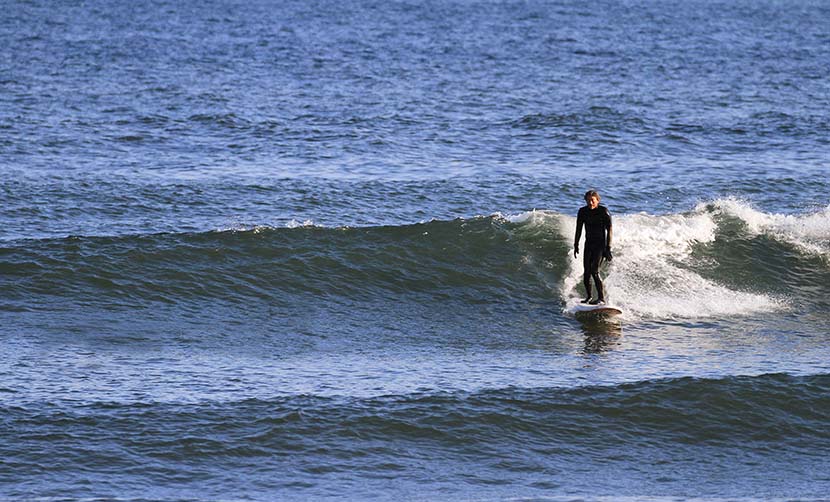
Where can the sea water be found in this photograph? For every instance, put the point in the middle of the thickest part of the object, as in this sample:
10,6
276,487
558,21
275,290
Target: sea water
309,250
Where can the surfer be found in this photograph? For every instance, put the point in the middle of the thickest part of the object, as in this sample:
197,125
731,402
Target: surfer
597,221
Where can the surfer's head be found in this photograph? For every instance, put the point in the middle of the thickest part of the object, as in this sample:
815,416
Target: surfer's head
592,198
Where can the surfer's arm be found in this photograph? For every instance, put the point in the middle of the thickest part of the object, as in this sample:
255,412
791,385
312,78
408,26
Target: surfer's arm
579,223
609,230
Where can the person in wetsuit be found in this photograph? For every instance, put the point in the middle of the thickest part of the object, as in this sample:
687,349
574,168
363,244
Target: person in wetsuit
597,222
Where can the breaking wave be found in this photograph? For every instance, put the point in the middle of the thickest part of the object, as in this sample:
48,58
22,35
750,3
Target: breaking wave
721,259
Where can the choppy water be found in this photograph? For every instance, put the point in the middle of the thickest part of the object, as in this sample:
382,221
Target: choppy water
312,250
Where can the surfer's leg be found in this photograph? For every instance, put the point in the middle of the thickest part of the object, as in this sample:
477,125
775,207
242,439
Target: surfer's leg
586,277
600,290
596,258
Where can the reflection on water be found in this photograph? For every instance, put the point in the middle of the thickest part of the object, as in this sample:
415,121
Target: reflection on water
601,335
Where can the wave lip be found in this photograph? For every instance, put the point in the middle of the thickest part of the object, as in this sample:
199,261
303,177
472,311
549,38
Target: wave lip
809,233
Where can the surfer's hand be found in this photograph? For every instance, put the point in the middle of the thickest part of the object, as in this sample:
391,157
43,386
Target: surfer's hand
607,253
576,250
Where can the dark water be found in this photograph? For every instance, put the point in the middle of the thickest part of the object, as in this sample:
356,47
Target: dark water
320,250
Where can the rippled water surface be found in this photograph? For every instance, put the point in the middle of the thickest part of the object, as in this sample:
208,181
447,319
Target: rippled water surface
314,250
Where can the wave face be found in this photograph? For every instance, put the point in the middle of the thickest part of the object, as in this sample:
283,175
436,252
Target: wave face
504,442
721,260
459,259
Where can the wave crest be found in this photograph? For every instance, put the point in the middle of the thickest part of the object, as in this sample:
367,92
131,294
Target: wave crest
722,259
809,233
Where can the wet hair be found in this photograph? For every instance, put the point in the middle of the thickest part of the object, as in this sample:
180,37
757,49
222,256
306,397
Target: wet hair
591,193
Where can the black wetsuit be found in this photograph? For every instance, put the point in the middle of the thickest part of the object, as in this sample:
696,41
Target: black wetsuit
596,222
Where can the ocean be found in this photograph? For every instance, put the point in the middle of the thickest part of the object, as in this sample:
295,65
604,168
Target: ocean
322,250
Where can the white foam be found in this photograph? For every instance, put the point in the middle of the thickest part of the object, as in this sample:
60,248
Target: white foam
650,276
300,224
259,228
809,233
532,216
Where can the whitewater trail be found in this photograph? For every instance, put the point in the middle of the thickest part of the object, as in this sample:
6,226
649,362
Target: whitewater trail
654,272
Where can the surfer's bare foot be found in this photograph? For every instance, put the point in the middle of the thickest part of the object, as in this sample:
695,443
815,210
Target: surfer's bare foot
598,301
587,300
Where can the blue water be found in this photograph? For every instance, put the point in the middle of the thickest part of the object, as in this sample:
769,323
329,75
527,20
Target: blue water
321,250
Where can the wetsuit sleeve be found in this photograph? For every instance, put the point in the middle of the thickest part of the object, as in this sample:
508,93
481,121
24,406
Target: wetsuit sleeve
580,220
608,228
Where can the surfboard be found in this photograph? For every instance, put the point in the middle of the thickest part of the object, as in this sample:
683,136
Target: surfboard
595,312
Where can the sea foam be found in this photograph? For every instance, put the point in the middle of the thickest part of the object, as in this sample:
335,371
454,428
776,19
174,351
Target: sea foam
809,233
651,275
